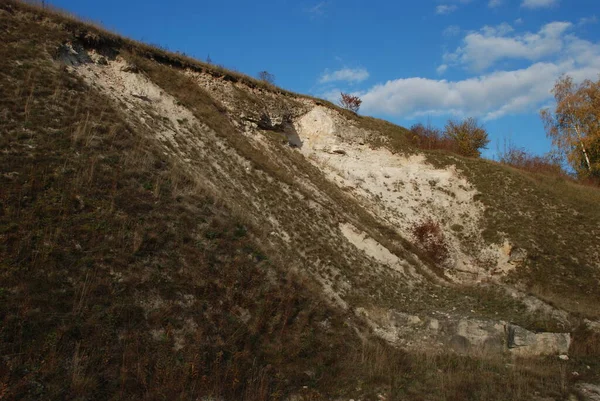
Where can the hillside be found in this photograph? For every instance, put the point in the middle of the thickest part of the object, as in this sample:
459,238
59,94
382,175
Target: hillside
173,230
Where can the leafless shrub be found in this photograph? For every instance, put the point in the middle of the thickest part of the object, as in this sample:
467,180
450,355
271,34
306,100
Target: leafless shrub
267,77
430,138
350,102
430,238
520,158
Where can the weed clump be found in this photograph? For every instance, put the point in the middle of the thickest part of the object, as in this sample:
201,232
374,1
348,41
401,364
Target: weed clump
522,159
430,238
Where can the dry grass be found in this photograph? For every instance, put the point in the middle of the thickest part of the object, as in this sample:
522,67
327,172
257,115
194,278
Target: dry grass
93,34
112,256
96,223
520,158
534,211
396,375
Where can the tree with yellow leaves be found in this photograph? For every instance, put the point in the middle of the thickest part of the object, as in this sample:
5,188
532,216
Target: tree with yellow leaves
574,125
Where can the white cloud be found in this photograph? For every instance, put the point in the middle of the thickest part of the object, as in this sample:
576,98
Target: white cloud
441,69
532,4
345,74
519,21
480,50
588,20
445,9
498,30
495,3
489,96
451,30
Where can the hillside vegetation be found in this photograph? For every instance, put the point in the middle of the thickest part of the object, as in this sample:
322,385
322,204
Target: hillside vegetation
170,229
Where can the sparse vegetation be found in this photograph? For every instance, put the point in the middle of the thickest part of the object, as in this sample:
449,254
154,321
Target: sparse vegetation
267,77
430,138
350,102
465,138
429,236
129,270
470,137
520,158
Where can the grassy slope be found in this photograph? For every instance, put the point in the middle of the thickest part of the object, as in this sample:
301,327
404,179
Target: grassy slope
556,221
369,287
108,252
104,242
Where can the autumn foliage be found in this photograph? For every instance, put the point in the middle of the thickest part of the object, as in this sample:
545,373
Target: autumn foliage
469,136
431,138
350,102
574,125
549,163
430,238
466,137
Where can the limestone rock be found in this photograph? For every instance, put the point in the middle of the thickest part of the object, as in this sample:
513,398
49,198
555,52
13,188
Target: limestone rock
589,392
132,68
524,342
471,334
517,256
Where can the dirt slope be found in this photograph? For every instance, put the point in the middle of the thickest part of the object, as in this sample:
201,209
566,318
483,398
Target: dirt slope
169,227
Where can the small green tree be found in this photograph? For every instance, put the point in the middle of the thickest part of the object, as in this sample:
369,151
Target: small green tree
469,136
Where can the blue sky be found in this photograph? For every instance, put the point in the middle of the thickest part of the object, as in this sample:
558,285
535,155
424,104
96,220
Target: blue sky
410,61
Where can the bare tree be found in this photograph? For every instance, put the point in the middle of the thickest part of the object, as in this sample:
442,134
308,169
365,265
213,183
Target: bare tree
350,102
267,77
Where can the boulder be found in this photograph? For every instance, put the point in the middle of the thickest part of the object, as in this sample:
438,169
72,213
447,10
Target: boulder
589,392
527,343
473,334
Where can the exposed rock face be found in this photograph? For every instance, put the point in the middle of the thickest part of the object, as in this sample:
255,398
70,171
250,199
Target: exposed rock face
397,190
403,189
479,335
526,343
463,335
589,392
489,336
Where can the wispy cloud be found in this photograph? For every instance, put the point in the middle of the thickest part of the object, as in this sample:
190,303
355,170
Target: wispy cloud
449,6
344,74
495,3
445,9
588,20
533,4
441,69
452,30
318,9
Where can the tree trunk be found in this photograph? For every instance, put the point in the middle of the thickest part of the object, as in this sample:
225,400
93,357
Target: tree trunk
578,132
587,159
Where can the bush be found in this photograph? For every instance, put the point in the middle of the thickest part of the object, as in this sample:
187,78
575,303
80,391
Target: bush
468,135
350,102
267,77
429,138
520,158
430,238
